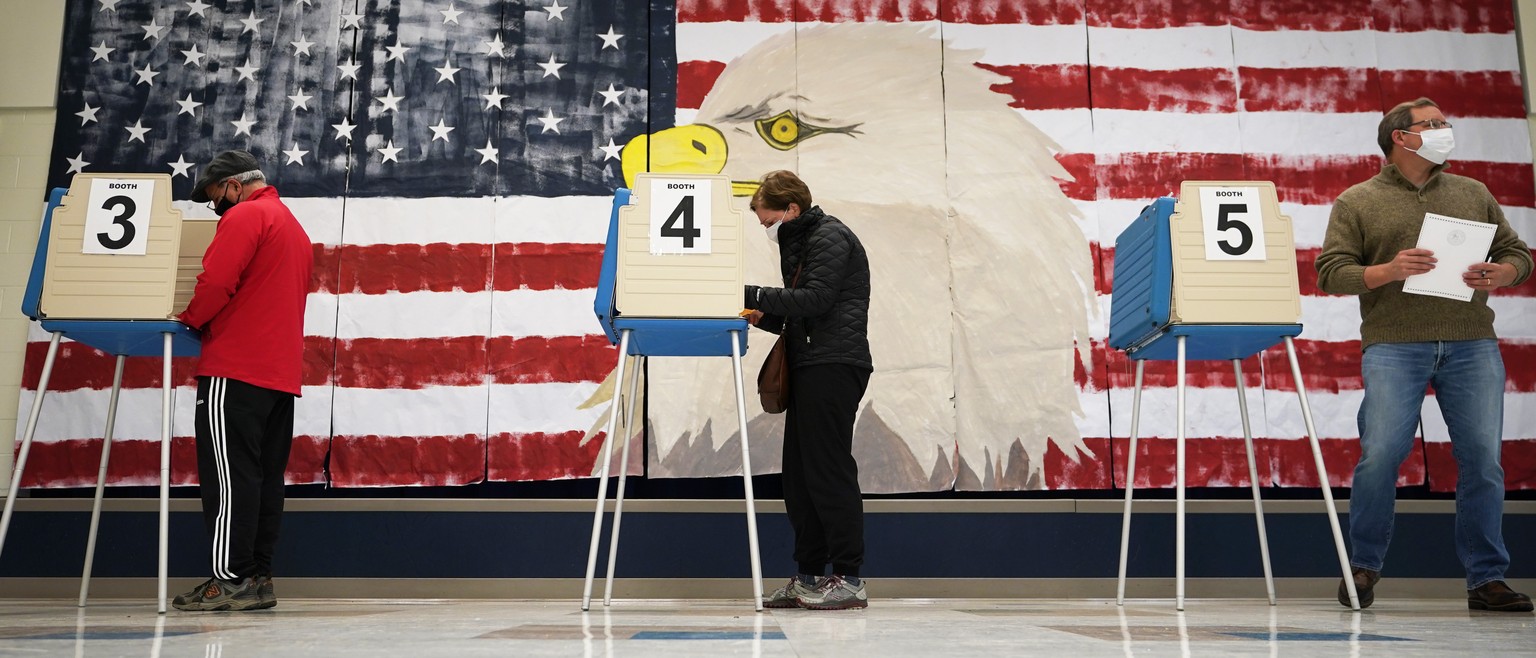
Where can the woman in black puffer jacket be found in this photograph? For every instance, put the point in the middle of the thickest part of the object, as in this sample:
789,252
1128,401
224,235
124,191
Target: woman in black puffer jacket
823,312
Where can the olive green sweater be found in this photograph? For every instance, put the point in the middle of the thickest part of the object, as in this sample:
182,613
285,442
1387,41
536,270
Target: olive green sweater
1374,220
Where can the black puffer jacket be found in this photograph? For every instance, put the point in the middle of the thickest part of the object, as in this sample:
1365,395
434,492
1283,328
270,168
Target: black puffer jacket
825,317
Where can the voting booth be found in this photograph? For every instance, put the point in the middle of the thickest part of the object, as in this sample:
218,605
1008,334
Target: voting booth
671,285
114,264
1210,276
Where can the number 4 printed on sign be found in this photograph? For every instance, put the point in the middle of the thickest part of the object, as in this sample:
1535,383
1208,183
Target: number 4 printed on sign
681,218
117,217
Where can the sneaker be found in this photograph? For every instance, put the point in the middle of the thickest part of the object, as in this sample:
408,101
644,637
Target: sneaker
215,594
1498,597
266,593
835,593
789,595
1365,586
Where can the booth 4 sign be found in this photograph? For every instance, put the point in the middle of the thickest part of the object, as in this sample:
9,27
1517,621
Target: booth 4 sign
1233,223
117,216
681,216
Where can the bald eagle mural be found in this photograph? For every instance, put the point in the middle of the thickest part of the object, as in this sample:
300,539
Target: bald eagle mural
981,274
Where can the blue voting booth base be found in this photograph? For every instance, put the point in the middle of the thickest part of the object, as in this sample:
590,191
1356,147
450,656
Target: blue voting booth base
643,338
120,338
1141,324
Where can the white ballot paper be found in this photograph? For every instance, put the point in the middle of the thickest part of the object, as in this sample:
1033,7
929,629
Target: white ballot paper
1457,244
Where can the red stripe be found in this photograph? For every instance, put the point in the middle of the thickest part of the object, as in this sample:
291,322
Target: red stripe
1518,459
540,266
552,456
1314,181
79,366
1320,15
410,363
403,461
1223,462
1037,12
1464,93
1181,90
694,80
1326,367
74,463
1495,16
1316,90
439,267
539,360
1042,87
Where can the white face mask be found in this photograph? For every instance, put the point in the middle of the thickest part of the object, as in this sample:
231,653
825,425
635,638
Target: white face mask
1437,146
773,229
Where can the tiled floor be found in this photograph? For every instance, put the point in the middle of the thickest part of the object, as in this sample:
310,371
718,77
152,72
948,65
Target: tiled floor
888,629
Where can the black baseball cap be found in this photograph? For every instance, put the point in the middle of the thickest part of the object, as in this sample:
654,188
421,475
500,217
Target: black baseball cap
224,165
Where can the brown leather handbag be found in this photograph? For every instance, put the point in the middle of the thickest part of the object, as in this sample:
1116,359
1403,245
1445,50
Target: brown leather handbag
773,379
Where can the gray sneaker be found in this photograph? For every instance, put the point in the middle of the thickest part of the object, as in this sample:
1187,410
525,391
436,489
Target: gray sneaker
266,593
789,595
215,594
834,593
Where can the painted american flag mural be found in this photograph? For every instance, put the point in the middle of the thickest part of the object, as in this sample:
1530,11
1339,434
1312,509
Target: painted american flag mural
451,337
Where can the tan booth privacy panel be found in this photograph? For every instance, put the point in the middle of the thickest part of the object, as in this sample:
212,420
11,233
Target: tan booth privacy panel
118,250
1234,255
680,249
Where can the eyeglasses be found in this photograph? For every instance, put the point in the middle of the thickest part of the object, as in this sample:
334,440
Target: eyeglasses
1432,124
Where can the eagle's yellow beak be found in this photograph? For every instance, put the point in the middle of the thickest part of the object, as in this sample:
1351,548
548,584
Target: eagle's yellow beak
690,149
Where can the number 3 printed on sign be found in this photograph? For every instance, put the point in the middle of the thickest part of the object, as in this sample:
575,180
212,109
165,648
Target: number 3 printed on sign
1232,223
117,217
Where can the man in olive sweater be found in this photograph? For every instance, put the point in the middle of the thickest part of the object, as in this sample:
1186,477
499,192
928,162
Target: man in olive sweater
1411,341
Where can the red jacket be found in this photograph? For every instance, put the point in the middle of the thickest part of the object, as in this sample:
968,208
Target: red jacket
249,300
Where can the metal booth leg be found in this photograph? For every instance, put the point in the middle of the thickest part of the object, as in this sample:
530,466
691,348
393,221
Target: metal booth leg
1253,479
625,435
1130,483
602,486
746,476
1179,483
101,480
26,438
165,468
1322,475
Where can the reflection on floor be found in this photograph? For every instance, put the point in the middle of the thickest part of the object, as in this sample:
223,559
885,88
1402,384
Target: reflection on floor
888,629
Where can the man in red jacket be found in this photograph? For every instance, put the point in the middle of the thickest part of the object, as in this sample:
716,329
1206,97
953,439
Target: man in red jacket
249,306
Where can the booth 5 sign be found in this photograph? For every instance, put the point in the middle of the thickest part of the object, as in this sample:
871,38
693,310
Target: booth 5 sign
1233,223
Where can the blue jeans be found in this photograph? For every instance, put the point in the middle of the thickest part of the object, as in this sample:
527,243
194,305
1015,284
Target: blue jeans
1468,377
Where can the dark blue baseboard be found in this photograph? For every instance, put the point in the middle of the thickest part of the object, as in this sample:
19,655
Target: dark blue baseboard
372,544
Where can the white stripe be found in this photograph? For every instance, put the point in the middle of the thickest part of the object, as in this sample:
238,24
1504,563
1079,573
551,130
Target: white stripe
430,411
552,408
414,315
522,313
1072,129
723,41
419,221
320,314
1447,51
1133,131
1165,49
578,219
321,217
1004,43
79,414
1282,49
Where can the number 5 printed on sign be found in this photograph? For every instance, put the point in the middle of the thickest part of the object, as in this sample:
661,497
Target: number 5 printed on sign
1233,223
117,217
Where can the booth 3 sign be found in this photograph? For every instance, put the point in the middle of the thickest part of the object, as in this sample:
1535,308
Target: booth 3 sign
117,217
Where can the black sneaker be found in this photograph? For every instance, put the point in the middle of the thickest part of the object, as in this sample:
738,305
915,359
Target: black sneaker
1365,587
215,594
1498,597
265,592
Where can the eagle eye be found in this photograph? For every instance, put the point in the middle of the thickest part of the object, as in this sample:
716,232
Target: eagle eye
784,130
